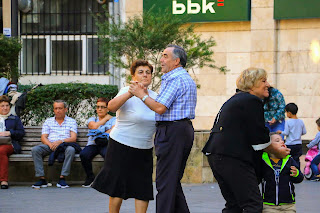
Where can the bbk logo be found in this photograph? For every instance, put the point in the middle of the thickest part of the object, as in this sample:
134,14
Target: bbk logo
195,8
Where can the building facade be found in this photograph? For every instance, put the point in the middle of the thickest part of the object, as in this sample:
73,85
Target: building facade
59,40
286,47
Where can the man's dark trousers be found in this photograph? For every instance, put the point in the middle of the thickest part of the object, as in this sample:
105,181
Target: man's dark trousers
173,143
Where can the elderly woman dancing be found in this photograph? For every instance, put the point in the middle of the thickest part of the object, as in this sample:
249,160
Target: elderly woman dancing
127,171
237,138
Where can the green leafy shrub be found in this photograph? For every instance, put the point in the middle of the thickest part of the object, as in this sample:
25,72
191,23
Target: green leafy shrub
24,88
9,53
80,97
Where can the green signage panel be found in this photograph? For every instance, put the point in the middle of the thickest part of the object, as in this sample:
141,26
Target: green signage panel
294,9
204,10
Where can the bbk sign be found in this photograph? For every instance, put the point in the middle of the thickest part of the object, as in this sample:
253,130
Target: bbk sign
204,10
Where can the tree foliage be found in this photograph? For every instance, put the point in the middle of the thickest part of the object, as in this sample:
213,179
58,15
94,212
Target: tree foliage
145,36
9,54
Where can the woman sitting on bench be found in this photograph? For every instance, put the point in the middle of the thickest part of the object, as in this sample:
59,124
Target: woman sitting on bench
99,127
11,132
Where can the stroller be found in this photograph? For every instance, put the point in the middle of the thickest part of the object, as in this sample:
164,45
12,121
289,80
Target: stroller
311,153
17,99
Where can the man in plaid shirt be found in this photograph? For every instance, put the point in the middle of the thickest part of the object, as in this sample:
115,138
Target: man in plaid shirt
174,107
55,131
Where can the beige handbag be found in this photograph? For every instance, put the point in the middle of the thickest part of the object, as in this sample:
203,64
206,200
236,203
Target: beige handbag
5,140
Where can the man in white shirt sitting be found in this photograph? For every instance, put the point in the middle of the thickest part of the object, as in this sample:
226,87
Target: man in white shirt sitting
55,131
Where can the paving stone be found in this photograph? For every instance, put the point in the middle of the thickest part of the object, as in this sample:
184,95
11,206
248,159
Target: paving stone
201,198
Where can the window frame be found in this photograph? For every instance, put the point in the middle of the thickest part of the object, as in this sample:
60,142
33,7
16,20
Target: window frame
49,53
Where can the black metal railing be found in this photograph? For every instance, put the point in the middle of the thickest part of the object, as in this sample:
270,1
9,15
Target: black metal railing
59,38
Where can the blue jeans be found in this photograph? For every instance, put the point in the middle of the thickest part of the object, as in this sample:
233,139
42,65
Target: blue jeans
279,125
314,165
86,156
40,151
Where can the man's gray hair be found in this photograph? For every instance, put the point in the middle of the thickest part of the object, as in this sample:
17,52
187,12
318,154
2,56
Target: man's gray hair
61,101
179,52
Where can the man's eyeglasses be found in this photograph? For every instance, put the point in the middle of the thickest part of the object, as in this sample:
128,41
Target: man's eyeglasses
101,107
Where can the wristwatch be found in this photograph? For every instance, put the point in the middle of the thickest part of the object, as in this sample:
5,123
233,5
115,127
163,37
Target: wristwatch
145,97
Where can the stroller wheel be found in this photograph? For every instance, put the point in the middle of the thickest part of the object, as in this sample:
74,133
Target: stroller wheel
309,175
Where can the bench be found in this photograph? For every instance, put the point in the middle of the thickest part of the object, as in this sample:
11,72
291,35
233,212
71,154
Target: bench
33,138
33,135
21,167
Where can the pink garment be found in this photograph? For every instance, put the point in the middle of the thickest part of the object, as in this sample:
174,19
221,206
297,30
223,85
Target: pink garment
309,156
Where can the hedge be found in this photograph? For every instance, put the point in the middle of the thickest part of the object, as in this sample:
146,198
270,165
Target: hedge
80,97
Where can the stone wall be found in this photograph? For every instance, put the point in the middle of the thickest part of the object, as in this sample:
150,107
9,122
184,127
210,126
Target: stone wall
282,48
298,76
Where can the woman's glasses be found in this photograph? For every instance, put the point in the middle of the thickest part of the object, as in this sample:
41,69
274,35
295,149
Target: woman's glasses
101,107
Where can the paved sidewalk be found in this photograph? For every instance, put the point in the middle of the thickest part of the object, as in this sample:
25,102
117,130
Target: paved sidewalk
202,198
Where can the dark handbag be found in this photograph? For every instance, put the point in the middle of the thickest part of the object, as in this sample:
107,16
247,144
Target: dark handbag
101,141
5,140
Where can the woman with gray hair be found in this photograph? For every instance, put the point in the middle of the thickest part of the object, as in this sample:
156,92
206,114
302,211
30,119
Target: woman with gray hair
237,138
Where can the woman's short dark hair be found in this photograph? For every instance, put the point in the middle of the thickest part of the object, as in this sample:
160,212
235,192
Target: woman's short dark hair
291,107
4,98
179,52
138,63
103,99
318,122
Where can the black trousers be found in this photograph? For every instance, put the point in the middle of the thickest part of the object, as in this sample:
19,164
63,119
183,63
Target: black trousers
296,152
238,184
173,143
86,156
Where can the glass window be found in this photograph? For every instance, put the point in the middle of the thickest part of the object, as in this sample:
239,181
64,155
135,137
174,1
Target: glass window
66,56
34,56
93,56
61,17
59,37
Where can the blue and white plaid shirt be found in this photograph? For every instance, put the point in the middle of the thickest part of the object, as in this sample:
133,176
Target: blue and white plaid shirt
178,93
57,131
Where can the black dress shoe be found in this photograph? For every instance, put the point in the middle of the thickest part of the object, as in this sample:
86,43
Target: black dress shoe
4,186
